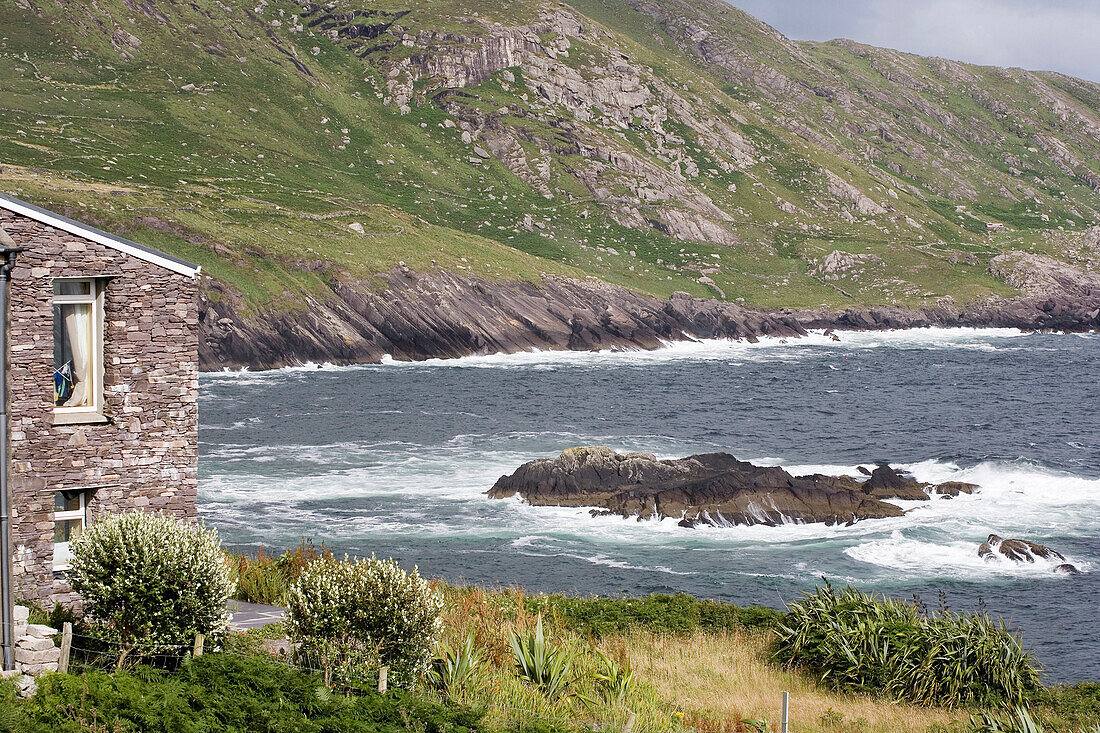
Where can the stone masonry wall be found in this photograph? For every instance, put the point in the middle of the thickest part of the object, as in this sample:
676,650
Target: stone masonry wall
35,652
146,455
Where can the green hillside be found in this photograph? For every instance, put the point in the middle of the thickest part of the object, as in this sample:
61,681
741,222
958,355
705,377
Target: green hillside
677,146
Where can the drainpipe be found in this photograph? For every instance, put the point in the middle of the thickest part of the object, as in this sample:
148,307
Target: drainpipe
7,600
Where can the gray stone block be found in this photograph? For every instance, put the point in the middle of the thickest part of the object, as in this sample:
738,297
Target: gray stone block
27,656
35,644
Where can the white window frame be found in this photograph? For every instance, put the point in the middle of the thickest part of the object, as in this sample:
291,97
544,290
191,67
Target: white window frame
82,515
93,412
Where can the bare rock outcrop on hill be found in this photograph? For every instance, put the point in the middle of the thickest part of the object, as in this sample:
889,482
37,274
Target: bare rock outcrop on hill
706,489
1039,275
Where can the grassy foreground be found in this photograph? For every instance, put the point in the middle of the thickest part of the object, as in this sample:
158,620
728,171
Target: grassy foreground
700,665
697,666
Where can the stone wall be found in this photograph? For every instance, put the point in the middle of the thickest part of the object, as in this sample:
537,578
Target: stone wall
35,652
146,454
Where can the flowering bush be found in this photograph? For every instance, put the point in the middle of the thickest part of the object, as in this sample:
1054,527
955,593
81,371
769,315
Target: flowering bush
357,614
150,582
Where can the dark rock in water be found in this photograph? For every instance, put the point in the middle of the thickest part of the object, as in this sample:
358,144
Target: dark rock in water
1016,550
1067,569
706,489
886,483
863,470
954,488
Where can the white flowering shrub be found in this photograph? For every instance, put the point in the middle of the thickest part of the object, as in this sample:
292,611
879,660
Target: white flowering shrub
150,582
354,615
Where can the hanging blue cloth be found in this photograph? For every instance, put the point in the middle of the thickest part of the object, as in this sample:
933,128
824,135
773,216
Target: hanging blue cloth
63,384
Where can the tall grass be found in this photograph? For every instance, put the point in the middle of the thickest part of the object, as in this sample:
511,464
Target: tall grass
266,578
855,641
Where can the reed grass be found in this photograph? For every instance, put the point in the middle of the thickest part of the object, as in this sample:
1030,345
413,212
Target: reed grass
855,641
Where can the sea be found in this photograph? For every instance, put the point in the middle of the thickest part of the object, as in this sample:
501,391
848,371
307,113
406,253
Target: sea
394,459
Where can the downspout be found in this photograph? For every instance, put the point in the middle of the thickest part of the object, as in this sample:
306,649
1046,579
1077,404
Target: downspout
7,599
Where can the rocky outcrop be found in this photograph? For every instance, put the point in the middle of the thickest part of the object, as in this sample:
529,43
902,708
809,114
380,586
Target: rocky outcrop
712,489
951,489
1022,551
445,315
837,264
602,95
1039,275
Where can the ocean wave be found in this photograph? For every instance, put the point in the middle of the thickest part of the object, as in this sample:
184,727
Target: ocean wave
767,348
956,559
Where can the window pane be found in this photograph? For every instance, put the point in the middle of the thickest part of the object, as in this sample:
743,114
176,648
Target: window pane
66,501
62,555
67,529
72,353
72,287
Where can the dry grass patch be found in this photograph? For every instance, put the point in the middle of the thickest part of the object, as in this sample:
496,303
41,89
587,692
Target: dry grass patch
717,680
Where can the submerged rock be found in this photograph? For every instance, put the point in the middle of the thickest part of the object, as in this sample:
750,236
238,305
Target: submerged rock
705,489
1017,550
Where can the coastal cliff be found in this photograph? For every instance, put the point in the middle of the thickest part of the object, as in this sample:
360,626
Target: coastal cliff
445,315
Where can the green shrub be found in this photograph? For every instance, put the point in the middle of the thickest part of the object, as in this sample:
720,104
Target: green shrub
355,615
222,692
12,719
150,582
858,642
1072,706
670,613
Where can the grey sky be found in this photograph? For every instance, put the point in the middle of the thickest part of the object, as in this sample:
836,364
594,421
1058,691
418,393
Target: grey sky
1059,35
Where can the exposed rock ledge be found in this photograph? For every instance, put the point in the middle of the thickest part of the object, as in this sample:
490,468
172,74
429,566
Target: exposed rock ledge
447,315
707,489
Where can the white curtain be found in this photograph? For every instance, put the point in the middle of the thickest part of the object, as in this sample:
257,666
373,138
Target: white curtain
78,327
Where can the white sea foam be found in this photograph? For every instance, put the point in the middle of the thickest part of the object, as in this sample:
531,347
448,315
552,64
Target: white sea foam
956,559
416,497
767,348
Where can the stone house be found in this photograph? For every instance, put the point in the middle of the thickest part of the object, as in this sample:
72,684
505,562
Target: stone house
103,380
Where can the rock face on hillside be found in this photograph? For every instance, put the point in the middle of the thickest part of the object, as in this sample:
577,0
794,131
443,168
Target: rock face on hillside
706,489
1039,275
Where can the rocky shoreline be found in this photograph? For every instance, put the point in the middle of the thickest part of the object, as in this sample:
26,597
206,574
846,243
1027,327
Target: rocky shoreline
710,489
446,315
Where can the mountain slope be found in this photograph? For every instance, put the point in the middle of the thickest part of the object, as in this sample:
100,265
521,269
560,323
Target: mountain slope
304,154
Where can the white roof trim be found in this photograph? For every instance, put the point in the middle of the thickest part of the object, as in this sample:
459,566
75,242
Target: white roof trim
99,236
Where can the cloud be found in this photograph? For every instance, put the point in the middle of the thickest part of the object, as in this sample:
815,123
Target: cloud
1056,35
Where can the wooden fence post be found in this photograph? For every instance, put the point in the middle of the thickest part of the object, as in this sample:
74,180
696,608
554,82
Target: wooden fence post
66,647
786,711
628,727
199,640
383,677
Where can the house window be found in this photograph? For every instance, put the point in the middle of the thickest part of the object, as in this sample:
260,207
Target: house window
78,350
68,522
